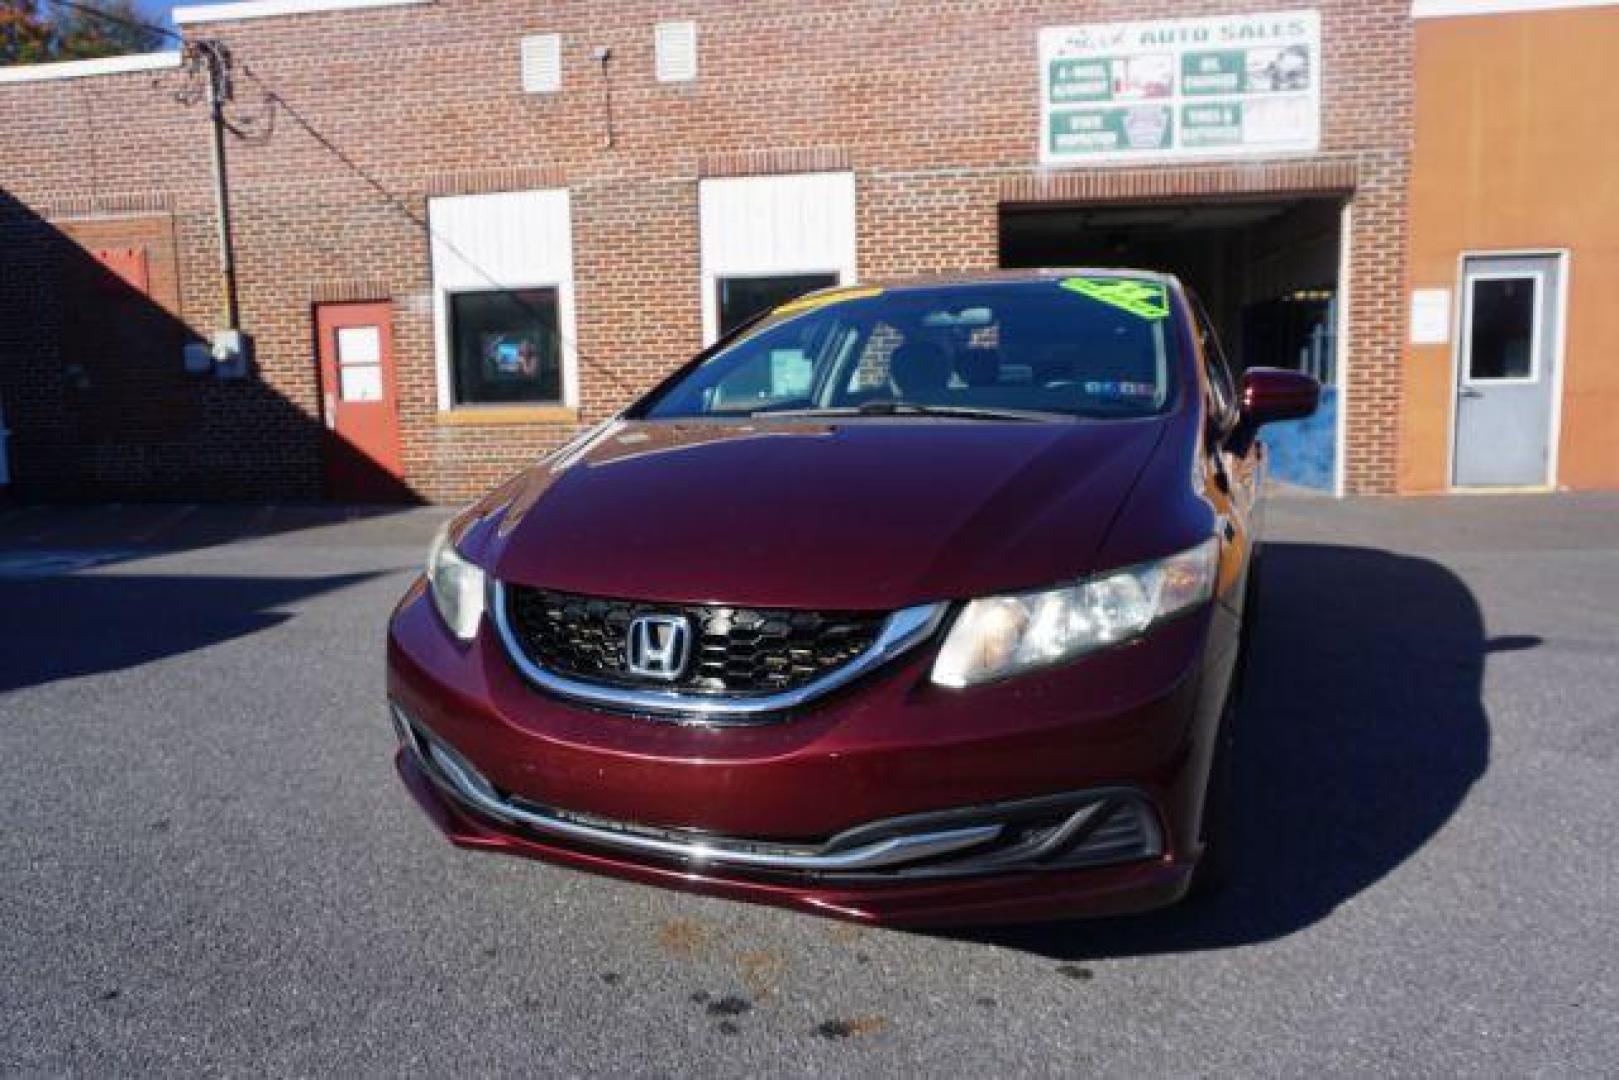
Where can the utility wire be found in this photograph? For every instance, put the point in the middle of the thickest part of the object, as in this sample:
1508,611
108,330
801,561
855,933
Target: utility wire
274,98
399,203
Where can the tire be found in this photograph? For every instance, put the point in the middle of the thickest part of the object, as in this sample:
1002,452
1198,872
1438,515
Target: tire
1218,822
1213,869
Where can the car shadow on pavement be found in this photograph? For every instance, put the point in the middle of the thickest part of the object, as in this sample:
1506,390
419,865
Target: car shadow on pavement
64,627
1360,734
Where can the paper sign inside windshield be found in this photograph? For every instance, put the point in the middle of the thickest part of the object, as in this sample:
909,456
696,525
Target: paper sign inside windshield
1146,299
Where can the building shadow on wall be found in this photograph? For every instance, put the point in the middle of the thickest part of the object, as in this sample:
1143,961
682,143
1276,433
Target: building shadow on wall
1362,731
95,391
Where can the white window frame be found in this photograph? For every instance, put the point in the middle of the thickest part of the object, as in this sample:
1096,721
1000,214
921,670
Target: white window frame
473,276
722,260
1538,312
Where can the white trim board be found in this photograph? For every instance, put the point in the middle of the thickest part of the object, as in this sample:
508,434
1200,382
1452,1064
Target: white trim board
78,69
1446,9
269,9
502,240
769,226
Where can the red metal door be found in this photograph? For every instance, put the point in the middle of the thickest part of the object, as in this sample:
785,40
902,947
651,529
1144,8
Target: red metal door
355,347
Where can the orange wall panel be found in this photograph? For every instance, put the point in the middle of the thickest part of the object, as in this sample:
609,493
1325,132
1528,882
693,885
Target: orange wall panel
1515,116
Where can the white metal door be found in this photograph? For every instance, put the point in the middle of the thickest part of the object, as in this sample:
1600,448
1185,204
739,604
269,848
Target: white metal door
1506,370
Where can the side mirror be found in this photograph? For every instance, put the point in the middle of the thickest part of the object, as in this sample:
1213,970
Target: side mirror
1273,394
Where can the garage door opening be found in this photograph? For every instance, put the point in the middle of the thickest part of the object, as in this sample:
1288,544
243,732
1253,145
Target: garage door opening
1268,272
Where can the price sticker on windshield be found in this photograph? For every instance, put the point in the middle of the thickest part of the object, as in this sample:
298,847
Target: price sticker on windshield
1146,299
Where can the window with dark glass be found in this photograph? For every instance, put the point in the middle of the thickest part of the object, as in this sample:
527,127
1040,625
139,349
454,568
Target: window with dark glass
1221,383
1501,339
505,347
741,298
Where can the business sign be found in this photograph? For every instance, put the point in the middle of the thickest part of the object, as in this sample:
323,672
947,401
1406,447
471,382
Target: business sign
1169,89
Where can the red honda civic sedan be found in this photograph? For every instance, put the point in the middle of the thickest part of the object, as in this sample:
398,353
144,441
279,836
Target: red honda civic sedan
916,604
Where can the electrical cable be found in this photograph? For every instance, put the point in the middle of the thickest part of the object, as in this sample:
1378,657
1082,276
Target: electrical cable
398,202
274,98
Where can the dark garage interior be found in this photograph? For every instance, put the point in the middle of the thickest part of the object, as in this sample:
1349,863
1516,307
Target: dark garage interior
1266,270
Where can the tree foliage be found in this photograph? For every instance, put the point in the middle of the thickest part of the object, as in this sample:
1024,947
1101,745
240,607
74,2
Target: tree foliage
37,31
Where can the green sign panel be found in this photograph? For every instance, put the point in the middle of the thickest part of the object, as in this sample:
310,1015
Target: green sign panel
1222,72
1207,88
1081,80
1211,125
1109,130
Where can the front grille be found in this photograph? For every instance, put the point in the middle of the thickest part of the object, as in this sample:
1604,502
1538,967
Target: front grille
735,651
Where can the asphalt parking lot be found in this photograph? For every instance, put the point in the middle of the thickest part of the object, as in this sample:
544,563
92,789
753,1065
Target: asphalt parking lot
208,865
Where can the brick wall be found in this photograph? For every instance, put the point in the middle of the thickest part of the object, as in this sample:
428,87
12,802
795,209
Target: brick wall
933,104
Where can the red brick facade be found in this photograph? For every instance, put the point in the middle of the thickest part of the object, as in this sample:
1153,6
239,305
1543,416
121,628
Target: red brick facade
933,104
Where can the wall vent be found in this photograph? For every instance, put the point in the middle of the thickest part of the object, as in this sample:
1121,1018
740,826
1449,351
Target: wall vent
541,63
676,48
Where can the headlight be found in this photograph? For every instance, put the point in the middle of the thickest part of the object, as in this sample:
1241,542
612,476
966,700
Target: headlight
457,586
1004,635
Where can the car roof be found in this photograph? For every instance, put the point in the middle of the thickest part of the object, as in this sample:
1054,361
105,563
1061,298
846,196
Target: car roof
1003,277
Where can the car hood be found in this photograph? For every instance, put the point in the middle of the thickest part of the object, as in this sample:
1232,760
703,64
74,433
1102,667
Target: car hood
863,515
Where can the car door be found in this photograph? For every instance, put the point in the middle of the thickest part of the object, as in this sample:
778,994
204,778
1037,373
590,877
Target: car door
1239,468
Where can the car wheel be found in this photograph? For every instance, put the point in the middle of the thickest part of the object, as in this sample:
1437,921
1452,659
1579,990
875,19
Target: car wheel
1213,869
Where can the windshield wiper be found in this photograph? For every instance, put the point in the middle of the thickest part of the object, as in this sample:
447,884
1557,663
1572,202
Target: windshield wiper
910,408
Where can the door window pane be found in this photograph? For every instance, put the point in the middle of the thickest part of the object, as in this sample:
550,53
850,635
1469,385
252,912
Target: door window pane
741,298
1501,338
505,346
359,345
360,382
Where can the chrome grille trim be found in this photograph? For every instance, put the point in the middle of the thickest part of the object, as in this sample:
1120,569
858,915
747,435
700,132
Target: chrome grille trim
448,768
904,630
1094,827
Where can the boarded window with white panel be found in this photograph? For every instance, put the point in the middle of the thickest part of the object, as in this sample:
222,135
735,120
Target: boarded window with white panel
503,299
766,239
541,62
674,45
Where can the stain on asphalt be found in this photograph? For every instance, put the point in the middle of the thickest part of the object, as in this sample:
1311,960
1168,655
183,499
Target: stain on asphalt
112,994
727,1027
730,1005
682,937
700,996
160,825
760,971
986,1002
1077,972
852,1028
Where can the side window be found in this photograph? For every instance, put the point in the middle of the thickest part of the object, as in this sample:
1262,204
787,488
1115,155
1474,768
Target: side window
1222,387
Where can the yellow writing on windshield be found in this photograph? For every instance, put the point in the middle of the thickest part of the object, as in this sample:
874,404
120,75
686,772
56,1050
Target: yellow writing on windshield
1147,299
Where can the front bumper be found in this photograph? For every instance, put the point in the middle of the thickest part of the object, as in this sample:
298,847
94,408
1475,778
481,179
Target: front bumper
1013,898
845,809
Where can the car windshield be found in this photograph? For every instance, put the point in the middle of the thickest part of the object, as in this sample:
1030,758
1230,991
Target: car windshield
1089,346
